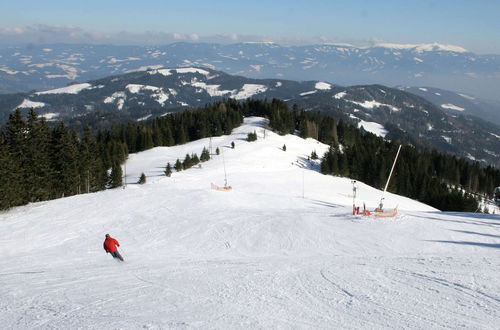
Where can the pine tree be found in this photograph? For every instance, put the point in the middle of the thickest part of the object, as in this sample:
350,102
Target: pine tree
205,155
187,163
178,165
217,151
38,171
169,138
142,179
64,162
115,178
168,170
93,173
284,147
251,136
10,185
194,159
16,142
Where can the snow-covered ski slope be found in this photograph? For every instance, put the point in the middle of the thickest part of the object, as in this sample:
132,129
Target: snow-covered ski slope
279,251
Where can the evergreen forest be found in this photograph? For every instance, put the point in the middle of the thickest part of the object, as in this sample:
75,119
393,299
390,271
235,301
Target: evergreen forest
41,162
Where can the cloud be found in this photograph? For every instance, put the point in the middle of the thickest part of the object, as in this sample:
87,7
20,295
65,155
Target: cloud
11,31
46,34
50,34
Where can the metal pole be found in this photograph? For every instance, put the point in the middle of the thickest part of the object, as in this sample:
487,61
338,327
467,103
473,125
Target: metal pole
353,196
389,178
224,163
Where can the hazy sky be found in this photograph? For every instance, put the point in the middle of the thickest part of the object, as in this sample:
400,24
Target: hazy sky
474,24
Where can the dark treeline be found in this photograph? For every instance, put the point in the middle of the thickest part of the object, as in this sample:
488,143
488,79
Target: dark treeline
179,128
40,163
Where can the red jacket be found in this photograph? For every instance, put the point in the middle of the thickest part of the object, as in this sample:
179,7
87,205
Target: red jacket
110,244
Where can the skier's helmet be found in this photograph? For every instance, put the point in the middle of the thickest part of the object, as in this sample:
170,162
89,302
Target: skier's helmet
107,235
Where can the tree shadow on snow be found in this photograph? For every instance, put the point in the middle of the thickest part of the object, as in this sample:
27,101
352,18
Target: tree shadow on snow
307,164
476,233
479,216
487,245
323,203
479,221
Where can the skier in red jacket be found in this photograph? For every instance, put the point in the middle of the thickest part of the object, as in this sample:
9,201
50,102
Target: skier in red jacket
110,246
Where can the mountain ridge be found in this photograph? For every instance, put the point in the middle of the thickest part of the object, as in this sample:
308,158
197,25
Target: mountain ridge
141,95
444,66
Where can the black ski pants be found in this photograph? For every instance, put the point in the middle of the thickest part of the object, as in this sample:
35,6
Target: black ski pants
117,255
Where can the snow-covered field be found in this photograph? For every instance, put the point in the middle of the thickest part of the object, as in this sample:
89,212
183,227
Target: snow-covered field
279,251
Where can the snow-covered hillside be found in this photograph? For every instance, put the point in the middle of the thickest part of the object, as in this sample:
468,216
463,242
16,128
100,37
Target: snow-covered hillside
281,250
452,67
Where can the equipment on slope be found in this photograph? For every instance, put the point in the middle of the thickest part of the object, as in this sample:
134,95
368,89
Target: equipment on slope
226,187
387,214
381,204
216,187
354,189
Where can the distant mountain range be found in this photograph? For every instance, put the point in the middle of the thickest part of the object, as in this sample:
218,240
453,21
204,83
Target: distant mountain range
455,103
140,95
443,66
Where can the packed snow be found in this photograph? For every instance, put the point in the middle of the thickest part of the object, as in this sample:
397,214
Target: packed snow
280,250
118,98
50,115
323,85
8,70
420,48
212,90
340,95
374,104
452,107
256,67
71,89
249,90
157,93
165,72
373,127
144,118
144,68
30,104
467,96
192,70
446,138
136,88
308,93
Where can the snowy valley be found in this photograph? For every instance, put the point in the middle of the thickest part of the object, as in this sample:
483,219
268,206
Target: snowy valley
280,250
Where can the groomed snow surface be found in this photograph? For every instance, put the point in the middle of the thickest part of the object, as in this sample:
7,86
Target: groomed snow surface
71,89
279,251
452,107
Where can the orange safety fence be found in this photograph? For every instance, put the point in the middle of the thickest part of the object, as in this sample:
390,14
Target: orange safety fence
216,187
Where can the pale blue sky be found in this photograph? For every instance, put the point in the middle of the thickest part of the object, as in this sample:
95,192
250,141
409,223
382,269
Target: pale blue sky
474,24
